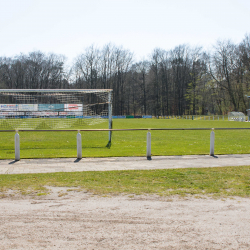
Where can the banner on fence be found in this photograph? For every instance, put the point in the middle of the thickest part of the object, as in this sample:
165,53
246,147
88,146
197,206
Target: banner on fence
8,107
42,113
119,116
51,107
11,113
72,107
28,107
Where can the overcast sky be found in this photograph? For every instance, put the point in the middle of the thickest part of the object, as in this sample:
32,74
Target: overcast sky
69,26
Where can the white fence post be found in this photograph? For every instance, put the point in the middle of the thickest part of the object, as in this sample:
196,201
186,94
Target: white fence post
79,145
17,146
148,145
212,137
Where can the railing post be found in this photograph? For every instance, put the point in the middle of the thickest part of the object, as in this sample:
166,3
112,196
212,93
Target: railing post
149,145
79,145
212,137
17,146
110,115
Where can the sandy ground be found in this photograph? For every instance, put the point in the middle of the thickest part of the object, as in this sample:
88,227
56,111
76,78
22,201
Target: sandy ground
77,220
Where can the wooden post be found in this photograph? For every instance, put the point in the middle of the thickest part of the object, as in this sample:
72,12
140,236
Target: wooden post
212,137
149,145
79,145
17,146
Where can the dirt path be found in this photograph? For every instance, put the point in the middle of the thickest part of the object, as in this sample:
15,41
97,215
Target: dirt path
78,220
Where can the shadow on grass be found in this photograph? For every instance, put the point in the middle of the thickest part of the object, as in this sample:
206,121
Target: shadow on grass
108,145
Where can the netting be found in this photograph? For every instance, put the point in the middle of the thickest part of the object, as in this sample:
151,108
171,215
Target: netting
54,109
236,116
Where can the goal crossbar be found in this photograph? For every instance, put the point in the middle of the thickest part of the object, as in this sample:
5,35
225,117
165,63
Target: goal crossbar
56,90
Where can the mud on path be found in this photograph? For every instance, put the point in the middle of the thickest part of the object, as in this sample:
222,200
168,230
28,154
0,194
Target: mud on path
77,220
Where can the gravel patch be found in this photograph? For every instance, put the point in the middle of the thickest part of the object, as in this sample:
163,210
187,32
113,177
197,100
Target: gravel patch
73,219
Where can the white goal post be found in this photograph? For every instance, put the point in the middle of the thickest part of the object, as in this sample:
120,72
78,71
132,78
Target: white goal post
54,108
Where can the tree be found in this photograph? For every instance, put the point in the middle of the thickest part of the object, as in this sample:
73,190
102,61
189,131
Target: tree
226,70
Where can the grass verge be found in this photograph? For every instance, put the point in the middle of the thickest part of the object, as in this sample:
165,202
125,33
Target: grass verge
216,182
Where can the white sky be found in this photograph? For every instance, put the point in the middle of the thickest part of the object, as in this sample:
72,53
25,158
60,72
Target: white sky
69,26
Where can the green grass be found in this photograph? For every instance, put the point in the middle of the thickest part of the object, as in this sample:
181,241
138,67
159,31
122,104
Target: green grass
131,143
215,182
50,123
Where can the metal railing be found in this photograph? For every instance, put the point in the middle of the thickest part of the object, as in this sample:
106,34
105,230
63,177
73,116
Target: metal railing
148,151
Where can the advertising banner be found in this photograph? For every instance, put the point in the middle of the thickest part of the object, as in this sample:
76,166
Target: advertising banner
78,113
42,113
62,113
7,113
118,116
73,107
27,107
8,107
51,107
11,113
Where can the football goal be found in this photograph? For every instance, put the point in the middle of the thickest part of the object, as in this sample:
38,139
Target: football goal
37,109
236,116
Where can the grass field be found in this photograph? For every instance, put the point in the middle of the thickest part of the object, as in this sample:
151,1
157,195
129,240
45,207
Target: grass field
131,143
215,182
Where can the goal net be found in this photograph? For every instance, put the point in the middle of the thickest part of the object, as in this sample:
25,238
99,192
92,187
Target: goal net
37,109
236,116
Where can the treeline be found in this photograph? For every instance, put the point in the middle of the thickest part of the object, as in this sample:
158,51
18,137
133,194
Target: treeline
185,80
